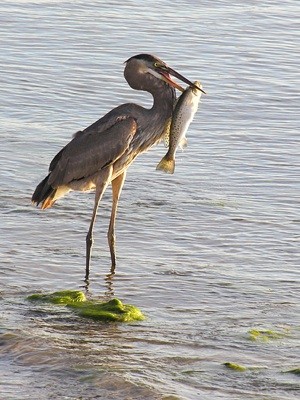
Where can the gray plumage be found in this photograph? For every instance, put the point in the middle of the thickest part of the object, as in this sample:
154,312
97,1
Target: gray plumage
101,153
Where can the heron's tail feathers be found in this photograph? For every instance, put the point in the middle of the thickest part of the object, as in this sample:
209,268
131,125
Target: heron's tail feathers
167,164
44,193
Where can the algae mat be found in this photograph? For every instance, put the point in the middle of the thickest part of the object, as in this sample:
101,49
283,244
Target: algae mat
113,310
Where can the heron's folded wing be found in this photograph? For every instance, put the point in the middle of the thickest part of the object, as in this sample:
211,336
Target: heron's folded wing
86,154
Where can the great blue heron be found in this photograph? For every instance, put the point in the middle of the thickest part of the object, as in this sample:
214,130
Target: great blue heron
100,154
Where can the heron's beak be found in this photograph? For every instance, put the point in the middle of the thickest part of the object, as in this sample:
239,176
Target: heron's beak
167,71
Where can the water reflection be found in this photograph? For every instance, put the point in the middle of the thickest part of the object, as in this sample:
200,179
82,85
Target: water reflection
109,283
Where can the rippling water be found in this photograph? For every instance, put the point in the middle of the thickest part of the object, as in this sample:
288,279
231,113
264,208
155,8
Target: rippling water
207,254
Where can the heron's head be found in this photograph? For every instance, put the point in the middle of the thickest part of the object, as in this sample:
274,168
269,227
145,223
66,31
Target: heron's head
144,68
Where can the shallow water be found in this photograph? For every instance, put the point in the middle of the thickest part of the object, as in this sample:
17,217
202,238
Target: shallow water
207,254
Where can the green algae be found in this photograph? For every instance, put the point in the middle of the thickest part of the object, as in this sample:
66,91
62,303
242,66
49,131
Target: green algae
295,371
65,297
264,335
242,368
235,367
113,310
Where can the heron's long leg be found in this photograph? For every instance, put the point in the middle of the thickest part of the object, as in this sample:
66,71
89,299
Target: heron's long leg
117,185
100,189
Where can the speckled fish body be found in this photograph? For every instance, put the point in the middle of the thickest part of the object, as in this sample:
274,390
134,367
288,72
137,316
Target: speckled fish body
183,115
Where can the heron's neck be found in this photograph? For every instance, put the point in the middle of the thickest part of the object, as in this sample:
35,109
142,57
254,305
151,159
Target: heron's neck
163,102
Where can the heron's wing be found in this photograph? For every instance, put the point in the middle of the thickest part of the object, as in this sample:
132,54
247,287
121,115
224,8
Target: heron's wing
92,151
102,125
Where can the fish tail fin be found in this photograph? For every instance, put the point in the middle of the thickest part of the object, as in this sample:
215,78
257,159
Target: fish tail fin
167,165
44,193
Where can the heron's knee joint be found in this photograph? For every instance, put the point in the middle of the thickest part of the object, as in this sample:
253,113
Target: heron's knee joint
111,239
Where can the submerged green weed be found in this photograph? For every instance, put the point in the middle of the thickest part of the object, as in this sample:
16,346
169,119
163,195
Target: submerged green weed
113,310
295,371
264,335
234,366
65,297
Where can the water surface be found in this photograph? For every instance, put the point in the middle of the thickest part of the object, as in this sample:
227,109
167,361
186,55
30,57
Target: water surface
207,254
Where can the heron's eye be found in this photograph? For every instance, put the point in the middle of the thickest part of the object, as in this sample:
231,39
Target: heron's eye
159,65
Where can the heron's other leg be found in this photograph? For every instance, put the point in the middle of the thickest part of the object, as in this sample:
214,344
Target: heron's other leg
117,185
100,189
